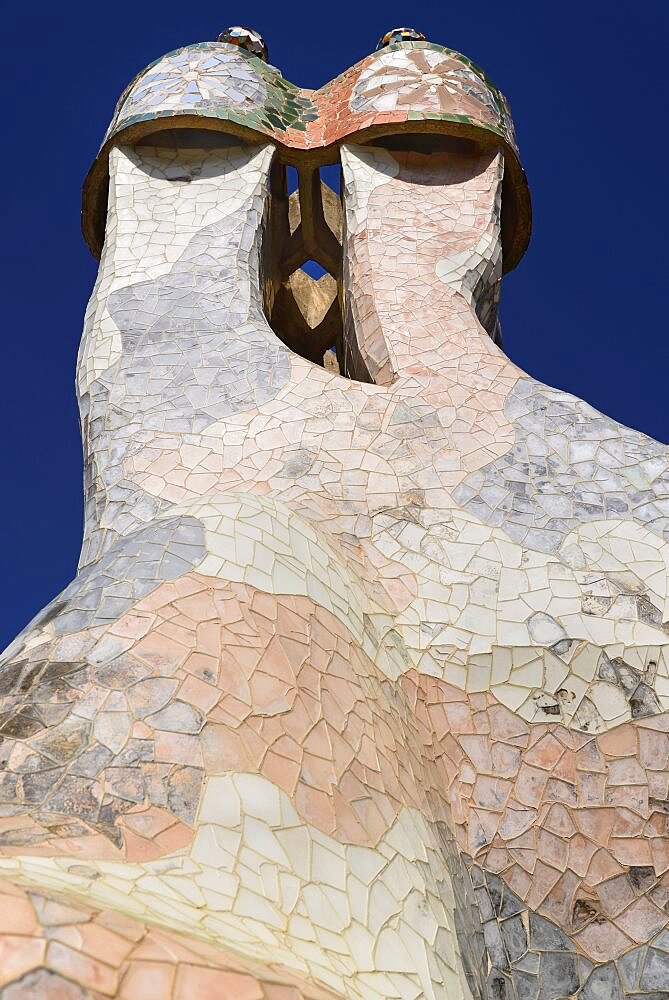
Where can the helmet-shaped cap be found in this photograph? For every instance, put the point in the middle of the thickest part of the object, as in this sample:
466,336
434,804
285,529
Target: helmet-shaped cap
407,86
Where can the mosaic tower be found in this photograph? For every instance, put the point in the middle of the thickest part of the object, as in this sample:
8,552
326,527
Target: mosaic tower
362,687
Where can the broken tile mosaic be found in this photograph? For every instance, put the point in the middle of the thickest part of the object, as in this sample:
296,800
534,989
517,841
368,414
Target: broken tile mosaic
361,689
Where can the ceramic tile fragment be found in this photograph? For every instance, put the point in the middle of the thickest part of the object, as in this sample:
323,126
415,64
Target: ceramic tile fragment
362,687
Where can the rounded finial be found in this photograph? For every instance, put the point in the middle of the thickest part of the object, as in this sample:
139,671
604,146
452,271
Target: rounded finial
245,38
400,35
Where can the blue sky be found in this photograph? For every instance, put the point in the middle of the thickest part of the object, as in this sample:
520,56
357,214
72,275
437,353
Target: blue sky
583,311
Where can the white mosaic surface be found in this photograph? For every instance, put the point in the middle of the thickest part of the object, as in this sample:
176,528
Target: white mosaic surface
362,681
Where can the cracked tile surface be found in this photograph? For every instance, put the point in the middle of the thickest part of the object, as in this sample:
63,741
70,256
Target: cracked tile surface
362,687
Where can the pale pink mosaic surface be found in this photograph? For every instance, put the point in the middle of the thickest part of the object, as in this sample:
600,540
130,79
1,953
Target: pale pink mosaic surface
362,687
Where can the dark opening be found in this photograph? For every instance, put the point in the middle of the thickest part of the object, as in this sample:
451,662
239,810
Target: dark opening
302,262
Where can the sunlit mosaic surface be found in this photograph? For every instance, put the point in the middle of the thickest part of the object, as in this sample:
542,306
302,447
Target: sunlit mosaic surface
214,80
362,687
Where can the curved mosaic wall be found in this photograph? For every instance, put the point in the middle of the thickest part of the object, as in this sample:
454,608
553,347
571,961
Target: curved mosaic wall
362,687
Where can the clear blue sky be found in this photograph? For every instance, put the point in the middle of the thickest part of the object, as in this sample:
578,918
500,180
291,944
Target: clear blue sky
584,310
